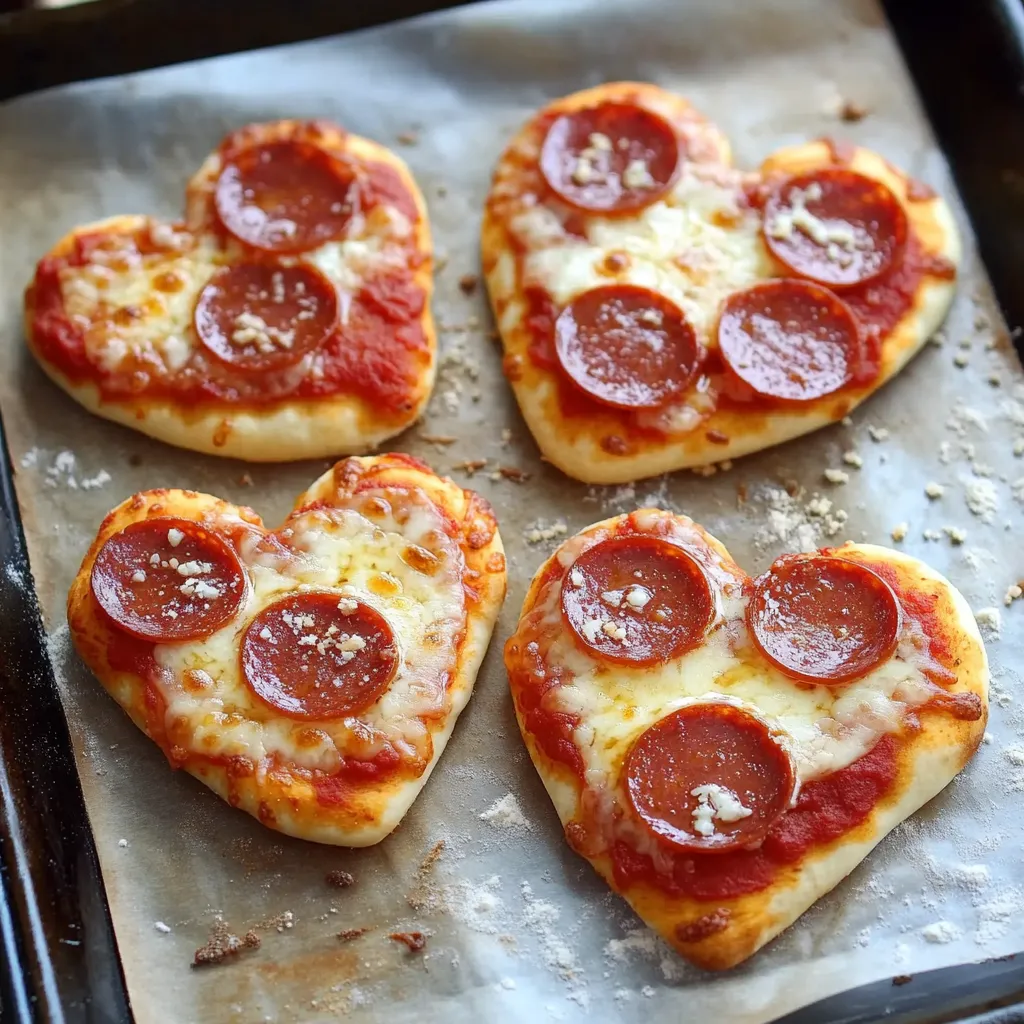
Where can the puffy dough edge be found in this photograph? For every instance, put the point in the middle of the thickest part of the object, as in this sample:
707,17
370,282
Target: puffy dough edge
291,807
573,444
932,758
284,432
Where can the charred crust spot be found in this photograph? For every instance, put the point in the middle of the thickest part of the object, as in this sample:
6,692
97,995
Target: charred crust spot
222,433
613,444
704,926
717,437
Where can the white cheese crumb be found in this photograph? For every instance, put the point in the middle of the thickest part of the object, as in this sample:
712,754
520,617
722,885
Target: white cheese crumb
637,597
139,576
934,490
591,627
990,621
852,458
194,587
637,175
194,568
154,559
174,537
613,630
506,813
576,577
941,932
899,531
612,597
122,843
837,476
715,802
347,606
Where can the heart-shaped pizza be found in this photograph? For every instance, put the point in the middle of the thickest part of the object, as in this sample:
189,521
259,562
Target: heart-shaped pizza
725,750
661,309
287,317
310,675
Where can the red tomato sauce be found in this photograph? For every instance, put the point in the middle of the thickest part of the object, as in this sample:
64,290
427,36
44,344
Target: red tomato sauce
825,810
379,354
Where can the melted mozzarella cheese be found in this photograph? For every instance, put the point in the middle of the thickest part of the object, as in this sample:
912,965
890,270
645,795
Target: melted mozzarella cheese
827,728
344,551
696,246
128,305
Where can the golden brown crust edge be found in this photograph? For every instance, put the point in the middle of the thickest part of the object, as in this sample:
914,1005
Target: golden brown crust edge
574,444
284,432
928,762
282,800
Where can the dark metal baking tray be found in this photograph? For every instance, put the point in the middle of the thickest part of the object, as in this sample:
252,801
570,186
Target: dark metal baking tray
58,953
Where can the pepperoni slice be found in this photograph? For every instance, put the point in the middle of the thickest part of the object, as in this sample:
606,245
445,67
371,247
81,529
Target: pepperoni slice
319,655
284,197
612,158
259,317
789,340
710,777
637,600
823,619
168,580
835,227
626,346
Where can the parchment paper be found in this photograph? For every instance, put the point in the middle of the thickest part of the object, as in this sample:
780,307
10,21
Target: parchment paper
519,928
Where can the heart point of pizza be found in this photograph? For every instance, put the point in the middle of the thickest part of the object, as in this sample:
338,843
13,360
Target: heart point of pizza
310,675
287,317
725,750
661,309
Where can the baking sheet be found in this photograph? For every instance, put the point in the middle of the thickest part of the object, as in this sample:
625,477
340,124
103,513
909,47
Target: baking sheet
518,927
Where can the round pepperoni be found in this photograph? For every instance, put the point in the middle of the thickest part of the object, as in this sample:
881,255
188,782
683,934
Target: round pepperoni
626,346
168,580
612,158
637,600
259,317
709,777
835,227
823,619
319,655
284,197
789,340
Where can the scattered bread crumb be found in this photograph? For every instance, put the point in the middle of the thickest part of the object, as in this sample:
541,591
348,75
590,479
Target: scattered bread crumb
339,879
961,359
955,534
990,621
221,945
1013,591
837,476
407,138
878,433
899,531
348,934
851,112
934,490
540,531
852,458
415,941
468,283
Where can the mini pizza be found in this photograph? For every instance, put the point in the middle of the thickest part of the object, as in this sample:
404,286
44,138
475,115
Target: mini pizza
310,675
661,309
287,317
725,750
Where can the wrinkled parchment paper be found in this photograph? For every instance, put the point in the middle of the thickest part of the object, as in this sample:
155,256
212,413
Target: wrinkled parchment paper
518,927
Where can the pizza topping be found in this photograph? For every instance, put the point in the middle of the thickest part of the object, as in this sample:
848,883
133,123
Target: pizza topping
307,657
835,226
168,580
824,619
639,600
260,317
709,777
612,158
626,346
284,197
789,340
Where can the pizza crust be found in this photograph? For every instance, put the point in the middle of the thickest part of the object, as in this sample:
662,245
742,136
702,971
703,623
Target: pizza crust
282,431
284,799
928,761
574,443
